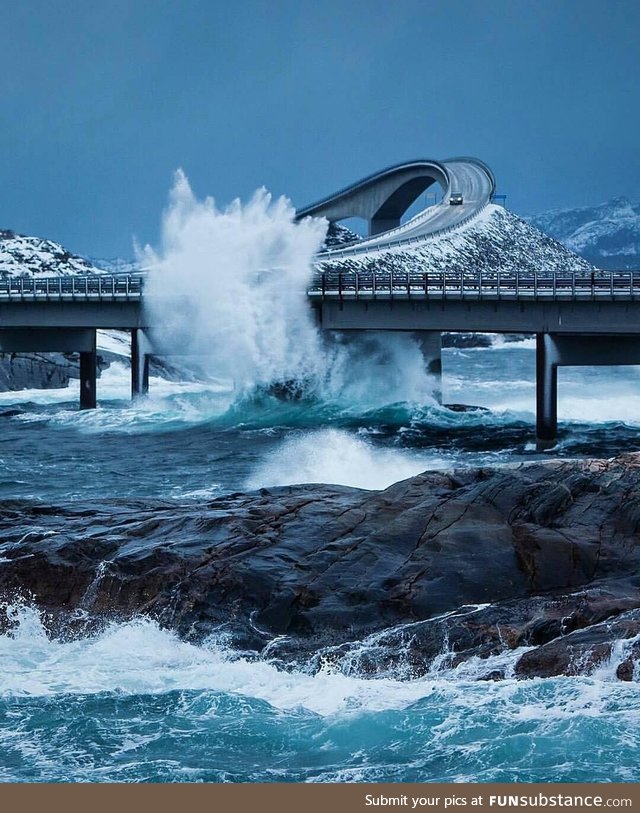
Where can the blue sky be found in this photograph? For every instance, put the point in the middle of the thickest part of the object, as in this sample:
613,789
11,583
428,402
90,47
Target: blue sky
100,102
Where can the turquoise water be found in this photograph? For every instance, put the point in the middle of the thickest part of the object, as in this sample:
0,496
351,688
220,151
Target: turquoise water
134,703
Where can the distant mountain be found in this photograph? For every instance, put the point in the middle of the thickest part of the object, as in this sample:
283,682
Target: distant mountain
607,235
114,265
23,256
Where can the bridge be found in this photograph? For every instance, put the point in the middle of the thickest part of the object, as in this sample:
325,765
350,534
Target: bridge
62,314
382,198
578,319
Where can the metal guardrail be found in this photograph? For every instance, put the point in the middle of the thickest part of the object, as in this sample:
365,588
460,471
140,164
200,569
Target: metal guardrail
350,285
99,287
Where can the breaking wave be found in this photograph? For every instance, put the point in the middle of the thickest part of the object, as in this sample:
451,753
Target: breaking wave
227,288
134,703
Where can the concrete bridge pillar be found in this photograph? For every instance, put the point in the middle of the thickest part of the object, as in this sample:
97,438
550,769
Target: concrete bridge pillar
88,376
555,350
139,363
430,342
546,389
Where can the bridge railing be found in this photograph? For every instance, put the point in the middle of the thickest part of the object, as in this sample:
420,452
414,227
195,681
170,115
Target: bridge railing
349,285
101,286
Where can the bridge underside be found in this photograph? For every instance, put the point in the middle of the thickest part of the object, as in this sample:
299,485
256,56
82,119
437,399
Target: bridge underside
555,350
574,333
94,314
81,340
488,316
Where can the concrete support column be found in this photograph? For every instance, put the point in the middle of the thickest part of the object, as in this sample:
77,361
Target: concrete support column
88,377
546,389
430,342
139,363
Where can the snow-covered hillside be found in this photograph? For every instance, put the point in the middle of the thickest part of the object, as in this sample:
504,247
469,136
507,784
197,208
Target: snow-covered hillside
22,256
339,236
607,235
495,241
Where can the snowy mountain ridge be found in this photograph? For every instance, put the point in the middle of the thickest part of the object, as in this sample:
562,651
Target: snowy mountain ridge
607,235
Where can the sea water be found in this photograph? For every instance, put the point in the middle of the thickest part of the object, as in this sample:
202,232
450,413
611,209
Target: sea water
133,702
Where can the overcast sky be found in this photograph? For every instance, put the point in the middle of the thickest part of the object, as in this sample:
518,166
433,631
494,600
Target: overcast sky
100,102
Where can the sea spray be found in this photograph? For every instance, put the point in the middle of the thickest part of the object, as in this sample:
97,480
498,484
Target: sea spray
334,456
228,287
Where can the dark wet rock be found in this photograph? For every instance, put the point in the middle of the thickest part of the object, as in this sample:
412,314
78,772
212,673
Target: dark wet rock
580,652
19,371
629,668
494,674
436,569
462,341
465,408
10,413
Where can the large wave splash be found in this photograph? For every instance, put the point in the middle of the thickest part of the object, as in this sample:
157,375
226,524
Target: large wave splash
227,289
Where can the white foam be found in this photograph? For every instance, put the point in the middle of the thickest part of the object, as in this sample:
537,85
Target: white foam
230,285
334,456
138,657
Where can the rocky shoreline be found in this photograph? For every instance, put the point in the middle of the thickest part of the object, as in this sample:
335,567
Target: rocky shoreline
542,556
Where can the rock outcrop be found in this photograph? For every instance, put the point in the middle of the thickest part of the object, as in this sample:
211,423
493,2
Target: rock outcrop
19,371
543,556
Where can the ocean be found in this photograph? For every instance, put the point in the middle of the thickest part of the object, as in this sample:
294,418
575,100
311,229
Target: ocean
133,702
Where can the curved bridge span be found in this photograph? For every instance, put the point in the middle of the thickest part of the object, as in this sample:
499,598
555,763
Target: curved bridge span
382,199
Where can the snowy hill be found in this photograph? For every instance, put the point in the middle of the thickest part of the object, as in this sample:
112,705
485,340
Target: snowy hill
607,235
495,241
339,236
23,256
